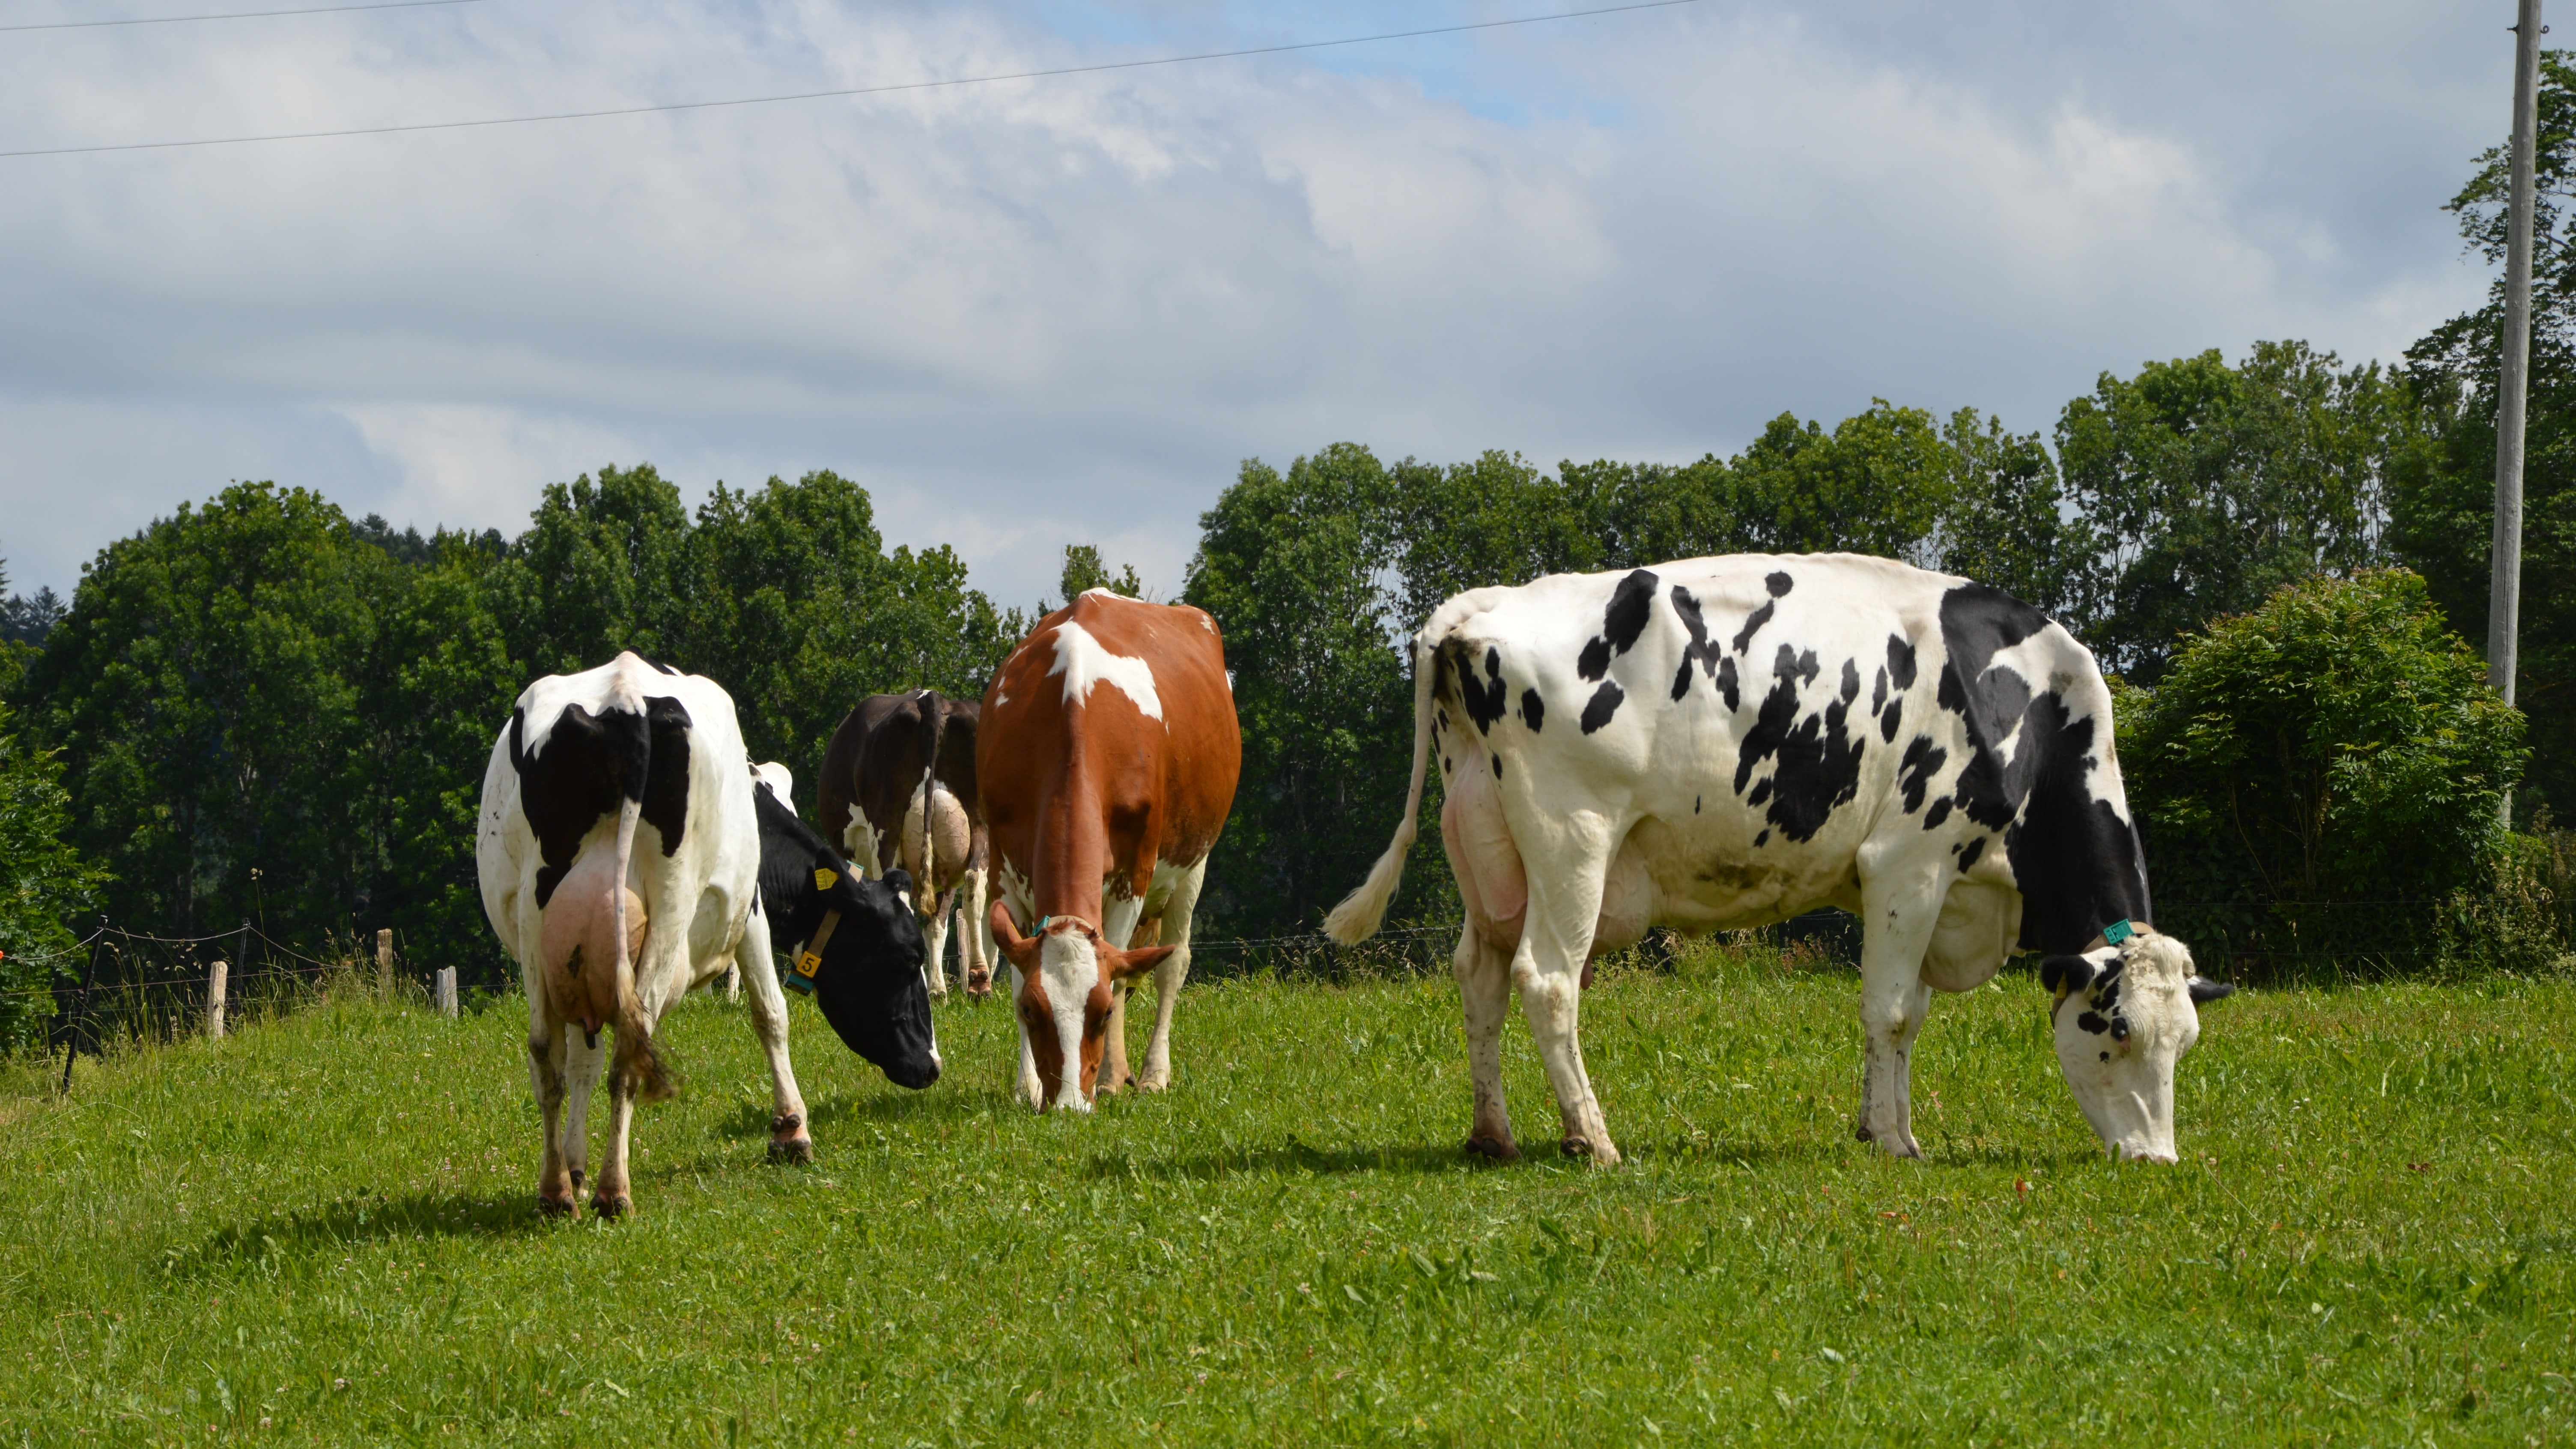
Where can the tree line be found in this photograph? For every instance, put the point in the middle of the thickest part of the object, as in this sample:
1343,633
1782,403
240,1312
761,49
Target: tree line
259,708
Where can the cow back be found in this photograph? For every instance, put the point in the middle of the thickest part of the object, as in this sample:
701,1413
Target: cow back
1108,746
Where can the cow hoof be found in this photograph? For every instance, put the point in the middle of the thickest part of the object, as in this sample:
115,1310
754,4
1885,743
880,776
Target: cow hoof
1500,1149
798,1150
558,1207
1577,1146
1151,1083
605,1206
1860,1132
978,987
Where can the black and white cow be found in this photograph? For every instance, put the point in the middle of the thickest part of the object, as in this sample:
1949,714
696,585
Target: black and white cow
858,947
618,852
1728,742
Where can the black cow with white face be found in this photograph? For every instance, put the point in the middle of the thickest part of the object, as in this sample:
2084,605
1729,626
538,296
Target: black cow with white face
1729,742
857,948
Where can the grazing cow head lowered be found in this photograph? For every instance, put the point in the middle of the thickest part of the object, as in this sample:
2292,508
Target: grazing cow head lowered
859,945
2124,1016
1068,969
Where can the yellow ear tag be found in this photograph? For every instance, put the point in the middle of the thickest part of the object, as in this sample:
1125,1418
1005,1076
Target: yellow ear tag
823,878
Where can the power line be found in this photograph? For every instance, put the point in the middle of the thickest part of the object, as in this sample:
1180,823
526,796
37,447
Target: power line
851,91
238,15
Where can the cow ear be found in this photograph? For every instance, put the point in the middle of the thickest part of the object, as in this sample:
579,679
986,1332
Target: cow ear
2063,974
1124,964
1021,950
2205,991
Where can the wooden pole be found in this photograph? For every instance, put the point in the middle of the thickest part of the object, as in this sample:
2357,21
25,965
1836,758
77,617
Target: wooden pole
2504,577
446,991
215,975
385,965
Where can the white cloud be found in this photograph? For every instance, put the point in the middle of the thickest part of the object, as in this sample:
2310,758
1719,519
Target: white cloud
1063,310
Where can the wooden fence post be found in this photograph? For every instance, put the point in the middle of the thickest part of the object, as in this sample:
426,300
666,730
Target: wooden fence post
215,975
385,965
446,990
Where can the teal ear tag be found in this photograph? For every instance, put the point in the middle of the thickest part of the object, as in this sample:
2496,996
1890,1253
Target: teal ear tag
2118,931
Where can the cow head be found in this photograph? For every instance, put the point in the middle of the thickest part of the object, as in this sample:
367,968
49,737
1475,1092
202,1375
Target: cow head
869,986
2124,1016
1066,973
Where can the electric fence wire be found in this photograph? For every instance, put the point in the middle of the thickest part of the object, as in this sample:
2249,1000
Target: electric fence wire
235,15
889,88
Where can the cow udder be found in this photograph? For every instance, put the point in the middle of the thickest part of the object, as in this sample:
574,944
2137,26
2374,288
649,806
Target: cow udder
578,941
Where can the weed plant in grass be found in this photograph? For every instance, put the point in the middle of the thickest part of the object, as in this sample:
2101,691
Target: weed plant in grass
323,1231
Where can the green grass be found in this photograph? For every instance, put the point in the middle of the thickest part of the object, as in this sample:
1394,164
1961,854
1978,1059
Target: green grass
325,1226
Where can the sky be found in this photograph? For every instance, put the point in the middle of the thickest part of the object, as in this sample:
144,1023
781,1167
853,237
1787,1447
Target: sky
1047,311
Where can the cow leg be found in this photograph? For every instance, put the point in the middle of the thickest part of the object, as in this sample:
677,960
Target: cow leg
581,1073
1119,919
788,1138
934,935
1556,940
613,1197
1485,993
1029,1088
975,938
1174,969
1899,917
557,1193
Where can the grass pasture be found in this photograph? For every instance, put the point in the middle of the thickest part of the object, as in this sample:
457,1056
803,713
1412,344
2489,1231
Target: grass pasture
322,1230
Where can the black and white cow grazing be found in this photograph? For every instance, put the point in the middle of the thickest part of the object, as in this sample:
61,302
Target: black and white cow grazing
1728,742
857,945
619,858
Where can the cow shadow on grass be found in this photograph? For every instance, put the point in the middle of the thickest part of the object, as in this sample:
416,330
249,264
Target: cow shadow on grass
283,1244
1291,1158
749,1120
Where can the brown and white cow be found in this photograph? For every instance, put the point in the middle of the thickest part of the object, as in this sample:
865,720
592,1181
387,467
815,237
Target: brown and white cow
1108,758
899,789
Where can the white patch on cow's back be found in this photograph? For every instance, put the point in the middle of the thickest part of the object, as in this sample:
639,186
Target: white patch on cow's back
1084,661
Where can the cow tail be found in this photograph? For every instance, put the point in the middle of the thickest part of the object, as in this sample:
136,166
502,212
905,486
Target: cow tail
924,891
1357,917
637,1064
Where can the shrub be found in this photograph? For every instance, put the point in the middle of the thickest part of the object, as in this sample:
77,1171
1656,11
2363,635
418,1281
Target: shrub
42,881
2321,776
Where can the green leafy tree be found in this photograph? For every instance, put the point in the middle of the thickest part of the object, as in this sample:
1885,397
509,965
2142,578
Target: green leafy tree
2006,523
599,570
1877,484
2442,496
1084,571
1292,567
2209,486
206,692
433,702
2317,774
44,886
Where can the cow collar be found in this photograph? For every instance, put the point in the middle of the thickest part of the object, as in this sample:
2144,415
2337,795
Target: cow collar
810,960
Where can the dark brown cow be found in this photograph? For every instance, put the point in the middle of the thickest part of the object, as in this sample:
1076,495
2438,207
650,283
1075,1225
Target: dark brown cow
872,799
1108,760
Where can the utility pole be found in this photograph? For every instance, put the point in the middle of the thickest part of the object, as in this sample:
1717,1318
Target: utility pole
2504,587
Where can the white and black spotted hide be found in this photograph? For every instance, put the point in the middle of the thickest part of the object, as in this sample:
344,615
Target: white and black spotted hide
1728,742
